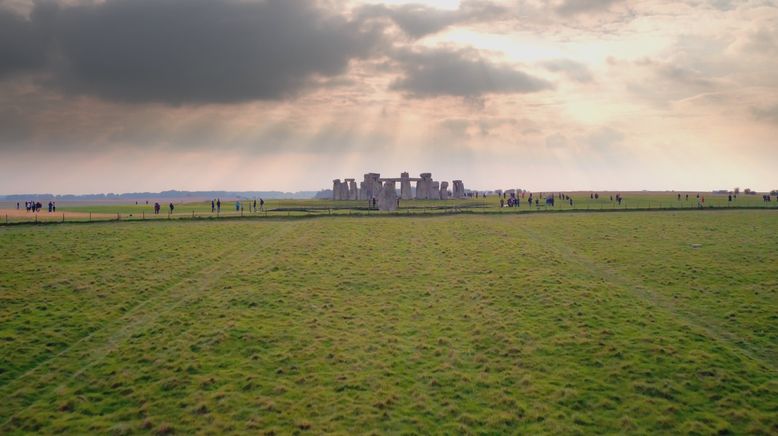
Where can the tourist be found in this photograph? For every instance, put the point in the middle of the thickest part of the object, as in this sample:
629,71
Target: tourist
17,205
502,203
50,207
261,204
53,206
213,205
255,205
237,206
171,207
571,201
218,205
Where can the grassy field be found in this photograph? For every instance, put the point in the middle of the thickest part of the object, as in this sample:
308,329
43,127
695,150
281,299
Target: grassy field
650,322
128,211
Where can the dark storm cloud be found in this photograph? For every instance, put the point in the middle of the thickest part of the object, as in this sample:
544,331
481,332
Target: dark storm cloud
575,7
460,73
420,20
22,44
187,51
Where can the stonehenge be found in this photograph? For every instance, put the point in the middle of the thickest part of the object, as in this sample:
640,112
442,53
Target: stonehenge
384,190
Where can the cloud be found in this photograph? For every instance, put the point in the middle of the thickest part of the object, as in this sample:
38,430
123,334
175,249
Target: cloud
556,141
769,113
575,7
574,70
419,20
22,46
460,73
188,51
603,139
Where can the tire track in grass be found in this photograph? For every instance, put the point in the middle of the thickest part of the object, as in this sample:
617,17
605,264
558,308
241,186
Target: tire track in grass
700,325
131,324
131,312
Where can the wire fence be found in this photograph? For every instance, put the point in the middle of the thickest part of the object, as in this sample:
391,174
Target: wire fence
417,209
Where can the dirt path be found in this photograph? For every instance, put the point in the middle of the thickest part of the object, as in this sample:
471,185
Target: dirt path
14,215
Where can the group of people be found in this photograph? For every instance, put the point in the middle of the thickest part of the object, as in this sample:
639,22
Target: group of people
158,207
36,206
514,199
216,205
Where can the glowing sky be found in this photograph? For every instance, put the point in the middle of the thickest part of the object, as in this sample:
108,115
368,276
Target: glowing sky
147,95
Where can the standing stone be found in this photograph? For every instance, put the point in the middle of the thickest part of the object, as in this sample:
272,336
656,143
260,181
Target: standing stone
353,193
459,189
435,191
423,186
336,189
387,197
405,186
370,186
444,190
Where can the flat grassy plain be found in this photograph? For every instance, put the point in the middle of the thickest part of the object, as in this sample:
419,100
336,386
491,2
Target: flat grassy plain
647,322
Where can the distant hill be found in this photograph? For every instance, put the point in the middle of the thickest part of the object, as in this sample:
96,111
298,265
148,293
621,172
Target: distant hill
164,194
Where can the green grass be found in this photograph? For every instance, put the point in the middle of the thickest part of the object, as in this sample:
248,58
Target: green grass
593,323
310,208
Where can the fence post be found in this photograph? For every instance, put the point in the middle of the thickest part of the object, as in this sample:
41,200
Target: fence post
63,217
143,215
192,214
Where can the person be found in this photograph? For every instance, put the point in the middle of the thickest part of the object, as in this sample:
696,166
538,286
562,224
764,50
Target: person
17,205
213,206
49,206
255,205
374,202
156,208
237,206
687,197
171,207
261,204
571,201
537,203
502,203
679,197
729,198
218,205
53,206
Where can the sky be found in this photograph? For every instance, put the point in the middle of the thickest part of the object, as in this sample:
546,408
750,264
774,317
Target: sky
148,95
